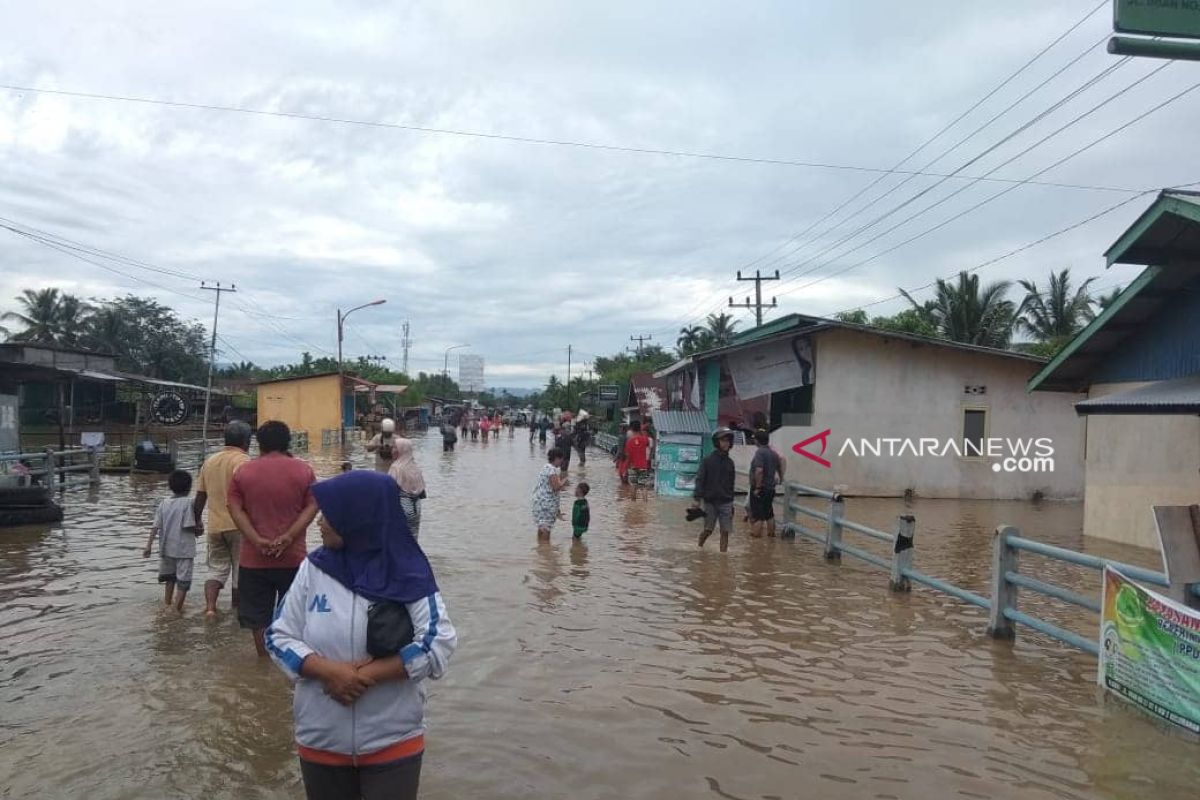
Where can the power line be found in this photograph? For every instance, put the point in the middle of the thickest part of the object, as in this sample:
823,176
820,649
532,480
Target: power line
950,125
1093,81
518,139
1000,194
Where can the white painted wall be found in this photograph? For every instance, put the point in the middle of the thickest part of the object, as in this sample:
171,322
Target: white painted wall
1134,463
869,386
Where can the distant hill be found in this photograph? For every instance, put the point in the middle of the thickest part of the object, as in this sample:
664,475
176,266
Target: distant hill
514,391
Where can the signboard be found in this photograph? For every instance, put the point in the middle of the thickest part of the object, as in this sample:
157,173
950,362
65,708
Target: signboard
1171,18
10,439
1150,651
470,373
772,367
608,392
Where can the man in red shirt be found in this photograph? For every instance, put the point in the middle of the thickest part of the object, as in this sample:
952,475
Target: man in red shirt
271,502
637,452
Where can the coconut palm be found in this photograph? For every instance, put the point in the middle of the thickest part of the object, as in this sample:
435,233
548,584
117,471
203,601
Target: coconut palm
721,328
1057,313
963,312
108,331
39,314
1106,300
73,315
691,339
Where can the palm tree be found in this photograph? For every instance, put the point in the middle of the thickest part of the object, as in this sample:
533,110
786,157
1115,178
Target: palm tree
1056,314
1106,300
721,328
108,331
73,315
963,312
39,315
690,339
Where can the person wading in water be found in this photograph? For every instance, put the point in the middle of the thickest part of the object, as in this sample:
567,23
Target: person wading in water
224,539
714,488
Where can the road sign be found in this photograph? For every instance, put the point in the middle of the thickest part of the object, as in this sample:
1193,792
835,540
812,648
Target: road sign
608,393
1179,19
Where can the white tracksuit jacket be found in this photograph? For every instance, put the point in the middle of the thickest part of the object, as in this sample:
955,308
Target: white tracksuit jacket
320,615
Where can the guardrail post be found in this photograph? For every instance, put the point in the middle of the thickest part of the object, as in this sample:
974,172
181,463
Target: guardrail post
789,514
94,461
833,534
902,552
1005,559
51,466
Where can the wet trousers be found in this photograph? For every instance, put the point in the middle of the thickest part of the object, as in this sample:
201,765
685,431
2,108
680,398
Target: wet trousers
396,781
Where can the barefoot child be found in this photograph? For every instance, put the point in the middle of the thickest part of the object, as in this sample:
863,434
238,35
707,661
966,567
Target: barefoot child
581,514
175,525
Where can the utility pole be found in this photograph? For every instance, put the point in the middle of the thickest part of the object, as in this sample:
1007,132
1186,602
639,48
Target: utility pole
639,340
568,378
212,356
341,323
758,304
405,343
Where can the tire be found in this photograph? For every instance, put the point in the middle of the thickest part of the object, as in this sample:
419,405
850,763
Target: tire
24,496
33,515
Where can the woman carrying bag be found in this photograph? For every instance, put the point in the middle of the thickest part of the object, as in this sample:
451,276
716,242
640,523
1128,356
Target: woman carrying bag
361,628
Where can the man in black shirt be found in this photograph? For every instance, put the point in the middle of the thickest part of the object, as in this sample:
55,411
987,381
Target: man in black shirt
714,488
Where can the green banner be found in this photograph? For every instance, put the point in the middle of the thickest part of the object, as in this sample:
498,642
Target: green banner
1150,651
1171,18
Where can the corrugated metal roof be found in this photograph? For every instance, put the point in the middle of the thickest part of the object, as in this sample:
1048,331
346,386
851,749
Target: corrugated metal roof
1176,396
680,422
1168,231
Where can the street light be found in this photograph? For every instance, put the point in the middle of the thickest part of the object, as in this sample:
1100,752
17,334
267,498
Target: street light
341,320
446,367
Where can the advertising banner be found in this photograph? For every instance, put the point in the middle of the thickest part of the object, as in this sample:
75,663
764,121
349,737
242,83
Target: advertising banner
771,367
1150,651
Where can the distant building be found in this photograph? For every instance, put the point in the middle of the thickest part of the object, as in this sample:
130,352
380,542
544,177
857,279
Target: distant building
1139,363
470,373
872,412
310,403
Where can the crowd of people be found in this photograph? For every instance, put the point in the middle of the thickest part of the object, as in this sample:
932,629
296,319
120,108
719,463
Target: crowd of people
359,705
359,708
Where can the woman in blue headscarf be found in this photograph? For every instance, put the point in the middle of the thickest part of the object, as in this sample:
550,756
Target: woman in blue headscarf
342,636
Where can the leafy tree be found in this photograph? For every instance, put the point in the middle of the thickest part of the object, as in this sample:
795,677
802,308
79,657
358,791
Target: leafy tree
721,329
1106,300
910,320
49,317
1057,313
963,312
855,317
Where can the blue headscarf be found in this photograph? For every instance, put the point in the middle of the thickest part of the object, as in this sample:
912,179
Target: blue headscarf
380,559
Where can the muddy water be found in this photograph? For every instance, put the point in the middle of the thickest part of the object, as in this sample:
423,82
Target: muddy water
632,665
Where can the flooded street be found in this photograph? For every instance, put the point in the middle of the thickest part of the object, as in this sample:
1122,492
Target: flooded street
630,665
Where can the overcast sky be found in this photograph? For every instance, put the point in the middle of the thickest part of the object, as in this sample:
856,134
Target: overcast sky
520,249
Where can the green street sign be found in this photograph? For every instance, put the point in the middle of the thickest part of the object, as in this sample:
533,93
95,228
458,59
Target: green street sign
1178,19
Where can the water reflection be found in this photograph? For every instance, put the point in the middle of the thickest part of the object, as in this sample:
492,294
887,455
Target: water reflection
630,663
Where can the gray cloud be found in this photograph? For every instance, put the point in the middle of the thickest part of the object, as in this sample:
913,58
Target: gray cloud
521,249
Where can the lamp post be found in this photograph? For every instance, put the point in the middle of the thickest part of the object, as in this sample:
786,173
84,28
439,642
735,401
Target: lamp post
446,367
341,321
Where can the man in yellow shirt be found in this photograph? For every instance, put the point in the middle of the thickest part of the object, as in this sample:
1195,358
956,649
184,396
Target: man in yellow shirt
224,540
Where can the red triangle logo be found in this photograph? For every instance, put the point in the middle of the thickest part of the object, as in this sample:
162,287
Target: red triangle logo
823,436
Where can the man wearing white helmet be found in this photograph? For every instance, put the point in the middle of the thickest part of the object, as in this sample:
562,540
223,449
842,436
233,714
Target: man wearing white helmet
382,445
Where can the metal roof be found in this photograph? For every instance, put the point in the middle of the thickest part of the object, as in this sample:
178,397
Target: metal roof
1175,396
1167,233
679,422
794,324
1167,238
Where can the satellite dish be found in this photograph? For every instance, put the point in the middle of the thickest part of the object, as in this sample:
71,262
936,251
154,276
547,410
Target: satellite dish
169,408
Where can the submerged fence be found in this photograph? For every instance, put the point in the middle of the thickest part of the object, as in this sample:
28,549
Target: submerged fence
52,468
1007,544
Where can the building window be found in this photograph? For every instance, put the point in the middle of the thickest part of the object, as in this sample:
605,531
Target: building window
793,407
974,432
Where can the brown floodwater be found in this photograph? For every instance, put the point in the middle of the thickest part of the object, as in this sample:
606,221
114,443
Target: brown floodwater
630,665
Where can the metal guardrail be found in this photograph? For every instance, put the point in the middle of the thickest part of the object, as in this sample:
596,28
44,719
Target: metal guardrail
54,468
1003,614
605,441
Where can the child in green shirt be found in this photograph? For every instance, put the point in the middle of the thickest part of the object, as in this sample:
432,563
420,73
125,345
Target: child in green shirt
581,515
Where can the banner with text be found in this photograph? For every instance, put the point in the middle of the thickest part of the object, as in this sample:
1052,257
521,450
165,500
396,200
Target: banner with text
1150,651
772,367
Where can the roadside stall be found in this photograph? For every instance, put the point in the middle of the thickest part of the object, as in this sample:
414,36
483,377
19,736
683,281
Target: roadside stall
678,449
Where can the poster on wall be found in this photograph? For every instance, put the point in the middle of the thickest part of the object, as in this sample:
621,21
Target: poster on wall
1150,651
772,367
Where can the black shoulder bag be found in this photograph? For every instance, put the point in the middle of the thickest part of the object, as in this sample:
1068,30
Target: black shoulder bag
389,628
